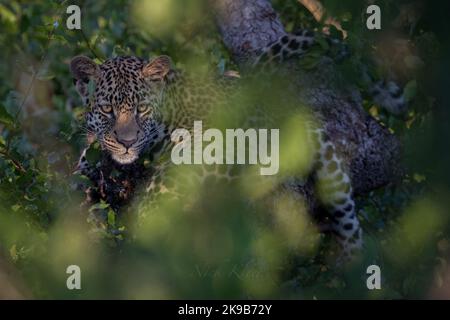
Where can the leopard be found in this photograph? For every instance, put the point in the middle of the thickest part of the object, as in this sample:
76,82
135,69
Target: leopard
134,105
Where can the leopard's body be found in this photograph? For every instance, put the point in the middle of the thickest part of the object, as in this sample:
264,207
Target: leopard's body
137,104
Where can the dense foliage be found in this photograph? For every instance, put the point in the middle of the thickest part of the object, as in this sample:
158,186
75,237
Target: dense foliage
218,252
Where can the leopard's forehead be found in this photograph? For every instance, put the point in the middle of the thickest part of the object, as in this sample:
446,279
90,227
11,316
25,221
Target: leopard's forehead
121,81
123,64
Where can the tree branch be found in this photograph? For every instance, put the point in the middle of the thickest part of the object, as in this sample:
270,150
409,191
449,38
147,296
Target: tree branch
319,12
247,26
369,149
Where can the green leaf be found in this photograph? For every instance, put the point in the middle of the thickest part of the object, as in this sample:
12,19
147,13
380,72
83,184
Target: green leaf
93,155
7,15
111,218
13,253
5,117
99,206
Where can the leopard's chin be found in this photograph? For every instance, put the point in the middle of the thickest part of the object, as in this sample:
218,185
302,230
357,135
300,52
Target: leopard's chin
125,158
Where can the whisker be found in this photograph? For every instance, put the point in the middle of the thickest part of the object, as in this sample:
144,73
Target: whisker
86,130
111,146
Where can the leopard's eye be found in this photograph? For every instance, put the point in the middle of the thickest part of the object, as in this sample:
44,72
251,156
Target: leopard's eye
143,108
106,108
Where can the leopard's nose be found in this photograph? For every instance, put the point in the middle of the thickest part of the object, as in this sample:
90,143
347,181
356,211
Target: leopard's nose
127,143
126,137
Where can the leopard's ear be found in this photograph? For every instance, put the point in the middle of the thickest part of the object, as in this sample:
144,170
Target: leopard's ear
157,68
83,69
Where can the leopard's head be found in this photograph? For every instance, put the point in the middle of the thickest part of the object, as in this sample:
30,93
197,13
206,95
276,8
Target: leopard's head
123,97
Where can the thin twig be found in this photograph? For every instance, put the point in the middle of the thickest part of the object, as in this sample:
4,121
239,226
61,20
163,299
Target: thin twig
16,163
35,73
89,45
